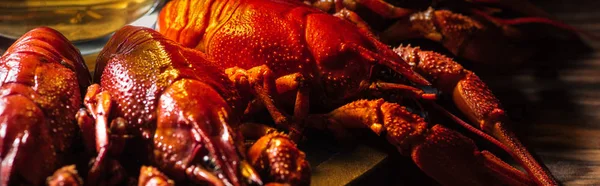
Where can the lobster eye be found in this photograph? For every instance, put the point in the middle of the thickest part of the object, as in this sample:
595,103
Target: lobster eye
210,163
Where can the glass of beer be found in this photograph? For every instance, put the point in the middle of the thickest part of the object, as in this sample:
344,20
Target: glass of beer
78,20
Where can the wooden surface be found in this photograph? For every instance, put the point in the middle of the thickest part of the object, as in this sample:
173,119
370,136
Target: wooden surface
559,98
554,100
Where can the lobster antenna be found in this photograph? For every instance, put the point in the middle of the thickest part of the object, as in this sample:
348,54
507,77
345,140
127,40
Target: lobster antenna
534,20
521,6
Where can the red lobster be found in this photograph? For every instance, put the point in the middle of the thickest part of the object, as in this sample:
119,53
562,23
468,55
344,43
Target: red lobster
389,9
277,49
178,103
469,29
42,78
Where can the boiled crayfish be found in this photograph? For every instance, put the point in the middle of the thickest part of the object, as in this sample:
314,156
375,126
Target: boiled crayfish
180,108
43,77
281,50
490,32
400,8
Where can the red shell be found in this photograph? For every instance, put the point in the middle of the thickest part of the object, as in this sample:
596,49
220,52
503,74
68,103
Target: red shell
42,77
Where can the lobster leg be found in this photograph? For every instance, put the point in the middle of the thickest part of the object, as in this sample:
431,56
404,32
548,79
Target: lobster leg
295,82
98,105
96,130
477,102
261,82
86,125
443,154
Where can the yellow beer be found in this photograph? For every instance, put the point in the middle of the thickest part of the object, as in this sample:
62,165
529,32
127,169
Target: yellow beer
78,20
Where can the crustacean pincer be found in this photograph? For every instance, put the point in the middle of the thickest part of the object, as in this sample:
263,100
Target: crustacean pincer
275,156
42,78
489,33
170,98
178,102
403,8
477,102
293,58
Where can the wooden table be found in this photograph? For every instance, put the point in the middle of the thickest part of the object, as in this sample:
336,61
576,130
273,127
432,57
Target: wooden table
560,97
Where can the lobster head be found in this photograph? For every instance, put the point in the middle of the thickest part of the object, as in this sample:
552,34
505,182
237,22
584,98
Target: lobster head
181,96
195,126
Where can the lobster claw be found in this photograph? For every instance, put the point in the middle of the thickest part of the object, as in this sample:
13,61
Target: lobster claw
275,156
180,96
473,98
453,159
185,114
445,155
279,161
463,36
